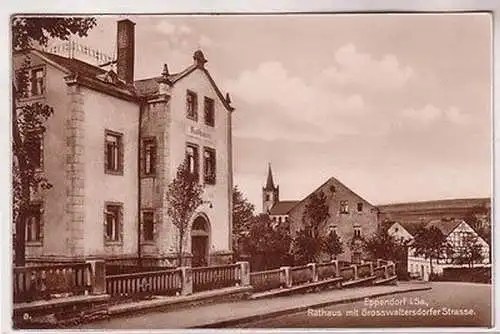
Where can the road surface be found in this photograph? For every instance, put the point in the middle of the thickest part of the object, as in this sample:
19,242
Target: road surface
447,304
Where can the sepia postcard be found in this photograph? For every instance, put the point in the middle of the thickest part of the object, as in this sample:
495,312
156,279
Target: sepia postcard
300,170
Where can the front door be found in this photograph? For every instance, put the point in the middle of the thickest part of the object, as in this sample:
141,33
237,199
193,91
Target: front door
199,249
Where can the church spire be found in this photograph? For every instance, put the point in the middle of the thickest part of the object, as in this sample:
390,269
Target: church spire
269,182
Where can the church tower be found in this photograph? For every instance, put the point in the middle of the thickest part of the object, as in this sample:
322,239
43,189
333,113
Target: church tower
270,193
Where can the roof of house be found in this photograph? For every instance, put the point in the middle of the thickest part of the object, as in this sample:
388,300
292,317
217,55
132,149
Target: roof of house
282,207
151,86
445,226
334,180
411,227
145,87
79,67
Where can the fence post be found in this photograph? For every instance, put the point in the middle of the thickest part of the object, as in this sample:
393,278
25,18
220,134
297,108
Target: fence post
379,262
386,271
187,280
245,273
371,268
314,272
355,267
97,276
337,268
287,278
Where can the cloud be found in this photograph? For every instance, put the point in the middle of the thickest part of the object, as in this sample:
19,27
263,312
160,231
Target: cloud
205,41
312,111
430,114
168,28
361,69
282,104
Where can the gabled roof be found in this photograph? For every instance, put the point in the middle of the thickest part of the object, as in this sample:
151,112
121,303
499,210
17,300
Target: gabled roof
411,227
282,207
150,86
445,226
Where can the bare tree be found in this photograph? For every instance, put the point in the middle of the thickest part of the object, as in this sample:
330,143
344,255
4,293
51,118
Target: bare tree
184,197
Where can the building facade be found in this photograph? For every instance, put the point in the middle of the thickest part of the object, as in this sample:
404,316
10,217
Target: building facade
459,236
112,147
350,216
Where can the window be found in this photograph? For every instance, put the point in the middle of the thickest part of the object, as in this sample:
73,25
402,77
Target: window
192,158
360,207
268,197
357,232
113,222
34,86
209,165
113,153
34,223
192,105
149,158
344,207
37,82
209,111
148,225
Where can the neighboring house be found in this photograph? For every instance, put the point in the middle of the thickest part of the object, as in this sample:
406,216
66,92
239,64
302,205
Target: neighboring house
351,217
110,150
457,232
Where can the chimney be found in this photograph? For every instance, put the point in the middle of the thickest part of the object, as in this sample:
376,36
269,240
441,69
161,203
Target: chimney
125,50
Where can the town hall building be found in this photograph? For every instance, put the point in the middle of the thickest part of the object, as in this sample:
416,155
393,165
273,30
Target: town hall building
112,147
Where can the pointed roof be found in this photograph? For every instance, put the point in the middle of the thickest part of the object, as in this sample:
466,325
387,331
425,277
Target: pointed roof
269,182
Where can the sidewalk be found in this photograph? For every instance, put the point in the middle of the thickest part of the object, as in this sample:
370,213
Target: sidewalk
230,313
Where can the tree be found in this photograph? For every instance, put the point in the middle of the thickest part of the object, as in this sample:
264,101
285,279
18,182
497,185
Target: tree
28,119
267,244
332,245
309,241
430,243
381,245
479,218
183,198
471,250
243,213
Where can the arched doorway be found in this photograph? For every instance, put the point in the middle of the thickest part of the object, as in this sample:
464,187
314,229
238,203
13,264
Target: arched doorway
200,233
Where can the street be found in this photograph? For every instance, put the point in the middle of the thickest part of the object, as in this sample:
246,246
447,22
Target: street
447,304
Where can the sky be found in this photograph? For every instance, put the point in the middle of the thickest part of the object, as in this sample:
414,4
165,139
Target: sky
397,107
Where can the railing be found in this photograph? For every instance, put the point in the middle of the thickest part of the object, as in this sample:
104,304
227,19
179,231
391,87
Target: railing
216,277
45,282
348,273
379,272
266,280
326,270
364,270
167,282
301,274
391,269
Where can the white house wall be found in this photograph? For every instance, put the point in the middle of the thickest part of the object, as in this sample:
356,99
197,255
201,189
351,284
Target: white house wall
217,137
